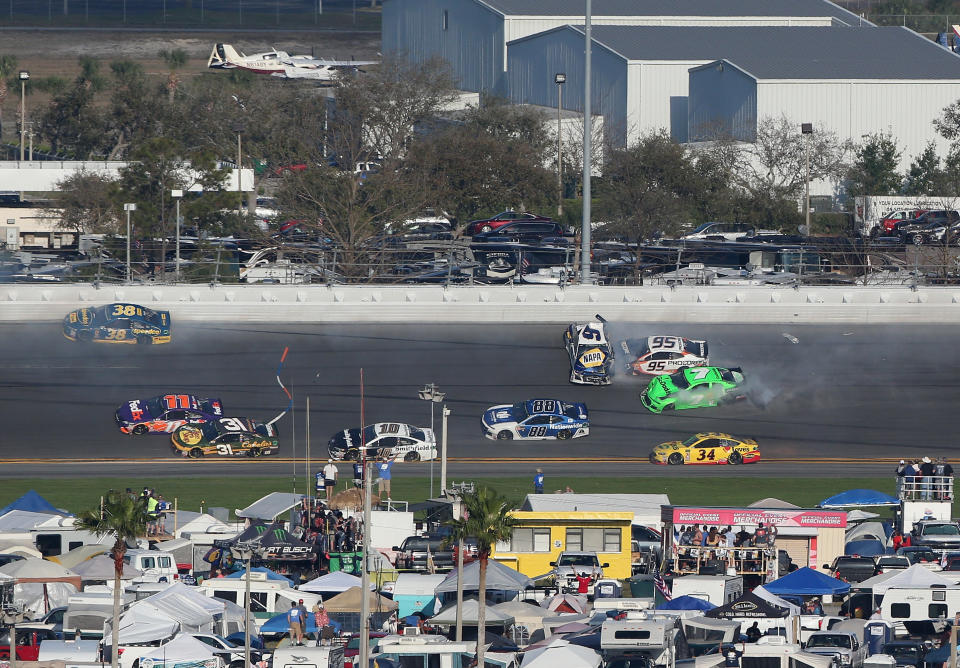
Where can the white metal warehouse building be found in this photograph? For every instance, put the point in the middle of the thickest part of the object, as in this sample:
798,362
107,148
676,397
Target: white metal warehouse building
472,35
852,82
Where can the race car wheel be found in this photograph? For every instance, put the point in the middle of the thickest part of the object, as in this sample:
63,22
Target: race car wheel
504,435
255,452
412,456
564,434
735,459
196,453
653,458
140,429
675,459
917,239
486,228
144,340
352,455
85,335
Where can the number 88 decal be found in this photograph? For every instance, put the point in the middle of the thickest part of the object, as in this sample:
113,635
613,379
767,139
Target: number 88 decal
537,431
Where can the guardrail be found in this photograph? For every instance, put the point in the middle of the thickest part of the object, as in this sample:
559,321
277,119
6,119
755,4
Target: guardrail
492,304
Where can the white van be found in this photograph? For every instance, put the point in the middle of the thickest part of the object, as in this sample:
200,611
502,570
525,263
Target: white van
308,657
154,565
716,589
268,598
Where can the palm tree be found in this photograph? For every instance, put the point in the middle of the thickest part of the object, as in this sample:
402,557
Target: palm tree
125,519
7,65
486,519
175,59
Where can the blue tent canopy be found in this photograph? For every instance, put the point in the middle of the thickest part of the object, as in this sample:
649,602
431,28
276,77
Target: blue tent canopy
854,498
686,603
864,548
279,624
807,582
34,503
271,575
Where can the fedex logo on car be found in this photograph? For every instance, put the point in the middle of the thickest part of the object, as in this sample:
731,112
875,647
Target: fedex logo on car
135,411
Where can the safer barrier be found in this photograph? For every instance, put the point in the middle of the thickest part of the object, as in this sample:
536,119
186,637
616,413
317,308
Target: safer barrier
488,304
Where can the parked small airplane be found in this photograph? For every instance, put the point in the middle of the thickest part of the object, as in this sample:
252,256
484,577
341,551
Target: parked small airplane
281,64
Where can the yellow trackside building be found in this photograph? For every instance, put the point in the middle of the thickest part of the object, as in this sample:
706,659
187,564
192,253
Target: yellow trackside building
540,537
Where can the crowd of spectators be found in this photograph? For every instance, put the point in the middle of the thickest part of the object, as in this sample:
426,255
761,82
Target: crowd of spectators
693,535
328,529
925,479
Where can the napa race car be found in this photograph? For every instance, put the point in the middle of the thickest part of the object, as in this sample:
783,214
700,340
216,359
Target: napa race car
663,354
164,413
591,356
384,439
536,420
229,436
707,448
693,387
118,323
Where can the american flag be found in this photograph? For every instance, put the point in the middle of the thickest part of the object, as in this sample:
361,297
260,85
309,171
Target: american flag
661,586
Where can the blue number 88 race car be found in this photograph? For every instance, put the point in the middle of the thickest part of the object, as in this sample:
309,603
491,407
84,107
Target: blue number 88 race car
536,420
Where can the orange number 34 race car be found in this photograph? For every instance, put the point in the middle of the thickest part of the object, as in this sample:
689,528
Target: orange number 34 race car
707,448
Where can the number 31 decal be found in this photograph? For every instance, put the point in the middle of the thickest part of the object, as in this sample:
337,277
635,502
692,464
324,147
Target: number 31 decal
232,424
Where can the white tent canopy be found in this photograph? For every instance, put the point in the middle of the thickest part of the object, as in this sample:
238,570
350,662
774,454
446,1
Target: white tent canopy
177,605
182,649
271,506
337,582
527,614
102,568
915,576
561,653
21,520
867,531
143,625
470,615
773,599
499,578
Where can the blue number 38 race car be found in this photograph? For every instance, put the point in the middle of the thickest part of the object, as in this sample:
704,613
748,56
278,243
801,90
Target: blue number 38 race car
118,323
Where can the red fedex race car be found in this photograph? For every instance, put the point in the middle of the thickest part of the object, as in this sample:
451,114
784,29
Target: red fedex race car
165,413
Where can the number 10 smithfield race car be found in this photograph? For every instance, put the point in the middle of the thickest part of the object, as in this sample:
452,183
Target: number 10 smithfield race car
536,420
590,354
118,323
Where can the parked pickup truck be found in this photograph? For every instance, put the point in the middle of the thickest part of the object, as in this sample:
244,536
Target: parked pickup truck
848,649
935,534
852,569
412,554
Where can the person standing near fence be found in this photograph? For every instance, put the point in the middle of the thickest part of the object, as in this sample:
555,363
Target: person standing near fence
383,482
538,482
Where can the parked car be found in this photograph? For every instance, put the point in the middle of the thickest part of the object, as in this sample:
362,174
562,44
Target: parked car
888,563
907,652
501,219
927,228
570,564
525,232
923,555
951,562
888,224
725,231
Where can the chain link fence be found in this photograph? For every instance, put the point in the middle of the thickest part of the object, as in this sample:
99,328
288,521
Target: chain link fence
213,14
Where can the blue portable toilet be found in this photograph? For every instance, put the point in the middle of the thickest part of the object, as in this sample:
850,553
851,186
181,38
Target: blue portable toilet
877,633
417,593
607,588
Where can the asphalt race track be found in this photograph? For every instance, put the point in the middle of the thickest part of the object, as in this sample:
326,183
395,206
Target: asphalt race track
843,400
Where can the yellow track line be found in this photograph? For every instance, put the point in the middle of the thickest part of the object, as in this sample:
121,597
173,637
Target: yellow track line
457,460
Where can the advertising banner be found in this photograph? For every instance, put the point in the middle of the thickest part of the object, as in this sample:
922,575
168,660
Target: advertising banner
752,516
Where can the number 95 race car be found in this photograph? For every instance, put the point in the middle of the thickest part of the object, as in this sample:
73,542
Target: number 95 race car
231,436
590,354
707,448
536,420
663,354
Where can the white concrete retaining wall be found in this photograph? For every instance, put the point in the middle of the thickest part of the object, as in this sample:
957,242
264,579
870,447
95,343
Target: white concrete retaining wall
520,304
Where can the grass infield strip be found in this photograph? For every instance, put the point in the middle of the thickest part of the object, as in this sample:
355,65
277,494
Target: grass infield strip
237,492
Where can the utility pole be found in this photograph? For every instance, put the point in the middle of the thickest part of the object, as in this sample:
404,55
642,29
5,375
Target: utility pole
587,152
365,573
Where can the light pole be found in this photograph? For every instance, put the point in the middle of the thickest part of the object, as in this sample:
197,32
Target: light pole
247,552
560,78
239,128
128,208
443,453
24,77
430,393
587,148
177,195
806,129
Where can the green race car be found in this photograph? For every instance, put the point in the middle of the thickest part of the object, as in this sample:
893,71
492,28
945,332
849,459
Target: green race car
693,387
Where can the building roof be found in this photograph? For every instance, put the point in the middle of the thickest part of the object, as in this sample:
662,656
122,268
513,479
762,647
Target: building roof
667,8
787,53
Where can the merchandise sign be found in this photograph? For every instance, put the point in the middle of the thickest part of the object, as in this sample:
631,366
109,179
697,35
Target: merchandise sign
751,516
